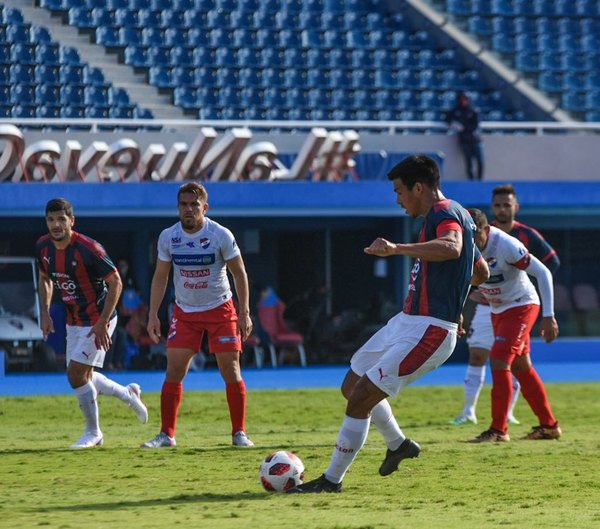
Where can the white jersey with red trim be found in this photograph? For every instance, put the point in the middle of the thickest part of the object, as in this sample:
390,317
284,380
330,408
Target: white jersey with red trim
199,269
509,285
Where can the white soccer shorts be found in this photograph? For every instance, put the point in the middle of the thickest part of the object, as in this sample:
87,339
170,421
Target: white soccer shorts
481,331
82,348
405,349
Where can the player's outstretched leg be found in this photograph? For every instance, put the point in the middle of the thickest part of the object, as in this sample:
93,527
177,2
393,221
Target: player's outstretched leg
129,394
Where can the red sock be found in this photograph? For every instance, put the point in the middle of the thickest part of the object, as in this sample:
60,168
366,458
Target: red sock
170,398
501,397
236,399
534,392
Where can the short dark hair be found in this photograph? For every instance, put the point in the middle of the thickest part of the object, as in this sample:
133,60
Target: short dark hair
479,218
59,204
417,168
195,189
504,189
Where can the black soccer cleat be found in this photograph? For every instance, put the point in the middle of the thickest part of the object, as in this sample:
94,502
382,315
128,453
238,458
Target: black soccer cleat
321,484
406,450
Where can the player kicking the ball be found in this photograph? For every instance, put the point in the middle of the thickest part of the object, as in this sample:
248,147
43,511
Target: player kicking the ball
423,335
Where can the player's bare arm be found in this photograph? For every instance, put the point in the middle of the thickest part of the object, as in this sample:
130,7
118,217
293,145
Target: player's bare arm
446,247
45,288
157,293
240,279
100,328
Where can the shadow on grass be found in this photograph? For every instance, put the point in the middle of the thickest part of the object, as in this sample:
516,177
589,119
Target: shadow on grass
173,500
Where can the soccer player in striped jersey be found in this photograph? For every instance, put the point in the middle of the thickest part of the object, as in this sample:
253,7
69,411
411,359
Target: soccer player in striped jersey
88,284
423,335
481,335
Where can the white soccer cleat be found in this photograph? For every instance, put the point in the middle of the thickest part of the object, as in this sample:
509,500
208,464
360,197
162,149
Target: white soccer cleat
89,440
136,403
464,419
160,441
241,439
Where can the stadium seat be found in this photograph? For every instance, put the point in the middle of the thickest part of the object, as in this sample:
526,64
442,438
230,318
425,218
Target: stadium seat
18,33
21,73
97,112
69,55
72,95
160,77
250,77
242,20
72,112
102,17
136,57
550,81
204,56
47,54
108,37
172,18
127,18
93,76
23,111
22,94
251,97
96,96
23,53
149,19
40,35
153,36
297,97
181,56
183,76
185,97
48,111
47,94
573,101
46,73
129,36
159,56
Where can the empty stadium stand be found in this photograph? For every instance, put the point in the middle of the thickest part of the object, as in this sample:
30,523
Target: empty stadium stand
331,59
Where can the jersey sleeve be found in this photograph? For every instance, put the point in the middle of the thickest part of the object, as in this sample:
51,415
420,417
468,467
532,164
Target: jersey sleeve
446,225
163,248
516,254
229,247
103,264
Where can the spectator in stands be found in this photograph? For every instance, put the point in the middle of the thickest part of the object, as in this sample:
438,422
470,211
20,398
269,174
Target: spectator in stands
464,119
481,334
515,306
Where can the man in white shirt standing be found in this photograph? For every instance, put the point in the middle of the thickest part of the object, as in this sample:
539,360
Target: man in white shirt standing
515,307
200,251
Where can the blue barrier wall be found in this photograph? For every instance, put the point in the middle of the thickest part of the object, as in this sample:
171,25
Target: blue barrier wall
272,199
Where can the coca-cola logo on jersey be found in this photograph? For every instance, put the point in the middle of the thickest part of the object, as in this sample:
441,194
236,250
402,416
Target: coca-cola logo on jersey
195,286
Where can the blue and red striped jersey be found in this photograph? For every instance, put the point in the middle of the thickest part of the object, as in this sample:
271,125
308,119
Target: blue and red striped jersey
536,244
439,289
77,273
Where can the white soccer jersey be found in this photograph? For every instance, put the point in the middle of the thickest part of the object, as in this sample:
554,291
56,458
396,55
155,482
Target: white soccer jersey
199,269
509,285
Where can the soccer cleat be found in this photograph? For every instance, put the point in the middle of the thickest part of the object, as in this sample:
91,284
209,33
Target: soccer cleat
464,419
539,433
490,436
241,439
160,441
89,440
136,404
513,420
406,450
318,485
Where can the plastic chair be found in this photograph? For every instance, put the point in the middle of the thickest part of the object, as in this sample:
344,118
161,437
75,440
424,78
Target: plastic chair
160,77
278,334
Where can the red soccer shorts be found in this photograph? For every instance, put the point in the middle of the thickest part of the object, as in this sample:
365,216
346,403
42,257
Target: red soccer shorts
187,329
512,329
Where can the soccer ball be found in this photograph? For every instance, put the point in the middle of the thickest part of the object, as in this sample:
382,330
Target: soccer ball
281,471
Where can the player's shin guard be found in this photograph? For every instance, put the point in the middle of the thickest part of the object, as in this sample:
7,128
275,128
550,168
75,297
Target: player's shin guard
501,397
236,399
534,392
170,399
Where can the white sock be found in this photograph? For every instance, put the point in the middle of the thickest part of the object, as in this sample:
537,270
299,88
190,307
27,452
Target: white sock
88,402
106,386
383,419
474,378
351,438
516,391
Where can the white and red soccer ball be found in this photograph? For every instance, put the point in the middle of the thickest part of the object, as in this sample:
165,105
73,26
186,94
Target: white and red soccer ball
281,471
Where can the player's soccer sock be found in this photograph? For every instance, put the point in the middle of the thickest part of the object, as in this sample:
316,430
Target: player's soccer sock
383,419
236,399
170,399
501,397
106,386
515,397
534,392
474,378
88,402
351,438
